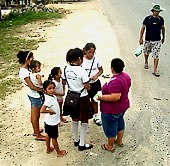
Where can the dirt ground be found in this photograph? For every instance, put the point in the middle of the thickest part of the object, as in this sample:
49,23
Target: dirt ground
85,23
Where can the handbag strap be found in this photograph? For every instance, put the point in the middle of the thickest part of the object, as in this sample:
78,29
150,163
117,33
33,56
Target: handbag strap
91,67
67,80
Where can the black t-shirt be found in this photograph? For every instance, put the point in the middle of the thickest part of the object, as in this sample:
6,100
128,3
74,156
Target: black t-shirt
153,28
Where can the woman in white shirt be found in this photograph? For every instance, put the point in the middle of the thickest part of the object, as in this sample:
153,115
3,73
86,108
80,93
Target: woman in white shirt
78,81
24,58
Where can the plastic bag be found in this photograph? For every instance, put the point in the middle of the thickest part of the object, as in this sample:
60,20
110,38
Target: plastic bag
138,50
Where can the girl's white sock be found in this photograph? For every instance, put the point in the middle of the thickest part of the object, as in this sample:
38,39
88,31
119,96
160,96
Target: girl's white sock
95,116
75,131
83,131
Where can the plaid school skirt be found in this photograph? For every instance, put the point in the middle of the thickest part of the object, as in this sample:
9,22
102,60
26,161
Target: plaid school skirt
83,112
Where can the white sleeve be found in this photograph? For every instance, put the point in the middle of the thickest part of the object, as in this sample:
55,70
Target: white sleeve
47,102
98,62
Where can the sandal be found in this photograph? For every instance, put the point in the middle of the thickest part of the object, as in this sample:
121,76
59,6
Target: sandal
146,66
98,122
63,153
156,74
41,130
104,147
120,145
64,120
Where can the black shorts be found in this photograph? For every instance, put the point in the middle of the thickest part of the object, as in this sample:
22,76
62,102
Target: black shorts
94,88
52,131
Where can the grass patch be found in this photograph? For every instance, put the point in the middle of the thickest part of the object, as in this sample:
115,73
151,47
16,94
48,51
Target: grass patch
10,45
15,19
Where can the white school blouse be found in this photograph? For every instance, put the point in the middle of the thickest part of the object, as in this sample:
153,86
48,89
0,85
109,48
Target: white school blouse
76,77
87,66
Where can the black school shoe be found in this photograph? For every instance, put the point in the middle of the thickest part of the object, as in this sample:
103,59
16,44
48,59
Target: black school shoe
76,143
85,147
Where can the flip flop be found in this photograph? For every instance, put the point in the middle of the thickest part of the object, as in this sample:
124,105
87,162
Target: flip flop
65,121
120,145
156,74
104,147
146,66
40,139
41,130
64,152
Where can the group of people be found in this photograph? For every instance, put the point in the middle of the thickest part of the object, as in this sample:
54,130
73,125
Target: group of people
81,74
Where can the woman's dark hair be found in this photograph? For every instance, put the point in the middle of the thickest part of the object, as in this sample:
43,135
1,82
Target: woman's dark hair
34,64
74,54
117,65
88,46
23,55
54,72
47,83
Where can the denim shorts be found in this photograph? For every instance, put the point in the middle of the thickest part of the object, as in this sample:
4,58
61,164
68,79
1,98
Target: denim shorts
112,124
35,102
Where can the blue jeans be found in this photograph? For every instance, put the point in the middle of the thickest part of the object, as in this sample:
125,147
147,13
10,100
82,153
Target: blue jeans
112,124
35,102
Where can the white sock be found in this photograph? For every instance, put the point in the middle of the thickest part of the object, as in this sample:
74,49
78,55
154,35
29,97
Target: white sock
95,116
83,131
75,131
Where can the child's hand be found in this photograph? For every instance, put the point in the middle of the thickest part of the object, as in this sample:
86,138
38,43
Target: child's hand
95,77
51,112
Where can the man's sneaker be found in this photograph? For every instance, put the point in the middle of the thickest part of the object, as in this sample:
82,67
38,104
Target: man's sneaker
85,147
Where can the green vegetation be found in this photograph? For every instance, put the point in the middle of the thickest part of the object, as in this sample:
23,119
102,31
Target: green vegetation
10,45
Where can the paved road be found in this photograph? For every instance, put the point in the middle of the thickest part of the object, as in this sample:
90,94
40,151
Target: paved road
147,121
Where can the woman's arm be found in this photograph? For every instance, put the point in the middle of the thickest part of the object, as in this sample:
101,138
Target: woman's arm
31,85
111,97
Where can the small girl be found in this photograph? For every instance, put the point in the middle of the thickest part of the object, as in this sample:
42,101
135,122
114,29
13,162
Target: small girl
52,118
36,77
94,69
55,77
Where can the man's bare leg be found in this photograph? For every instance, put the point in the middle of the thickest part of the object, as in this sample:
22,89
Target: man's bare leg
155,64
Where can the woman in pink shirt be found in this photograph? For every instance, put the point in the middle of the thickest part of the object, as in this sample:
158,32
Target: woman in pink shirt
114,102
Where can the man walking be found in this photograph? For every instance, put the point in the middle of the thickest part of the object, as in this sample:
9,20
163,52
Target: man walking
154,25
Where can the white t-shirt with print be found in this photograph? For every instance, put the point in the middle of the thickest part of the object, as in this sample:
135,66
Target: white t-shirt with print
24,73
58,89
52,104
76,77
87,66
